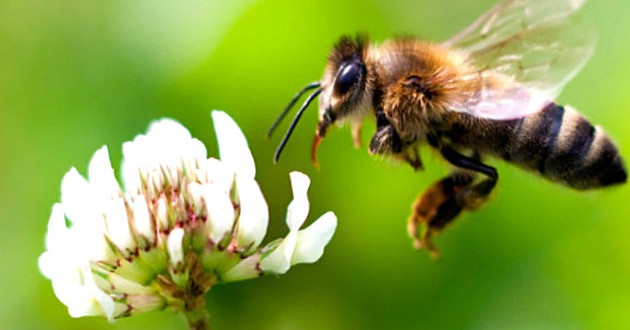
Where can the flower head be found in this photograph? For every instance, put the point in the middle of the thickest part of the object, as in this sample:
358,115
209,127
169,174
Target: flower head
183,223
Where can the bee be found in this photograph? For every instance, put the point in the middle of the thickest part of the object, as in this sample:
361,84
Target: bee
487,91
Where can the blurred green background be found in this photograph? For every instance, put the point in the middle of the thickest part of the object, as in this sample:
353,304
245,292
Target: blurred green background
75,75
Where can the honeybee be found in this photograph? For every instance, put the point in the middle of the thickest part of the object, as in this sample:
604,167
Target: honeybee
489,90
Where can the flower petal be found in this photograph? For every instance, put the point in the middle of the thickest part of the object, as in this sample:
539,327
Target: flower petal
168,142
299,207
167,145
132,175
312,240
220,212
117,221
78,200
195,154
244,270
254,217
58,232
101,174
85,212
60,260
174,246
216,173
233,146
162,215
79,300
81,295
142,303
194,199
105,301
279,260
142,219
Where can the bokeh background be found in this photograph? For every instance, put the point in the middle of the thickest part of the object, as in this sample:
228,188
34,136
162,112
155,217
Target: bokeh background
75,75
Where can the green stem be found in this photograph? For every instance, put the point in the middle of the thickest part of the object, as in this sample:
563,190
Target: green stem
198,317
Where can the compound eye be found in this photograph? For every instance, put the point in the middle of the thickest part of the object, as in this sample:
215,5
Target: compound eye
347,77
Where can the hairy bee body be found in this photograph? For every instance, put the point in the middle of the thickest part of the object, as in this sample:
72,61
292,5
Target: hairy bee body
488,91
414,82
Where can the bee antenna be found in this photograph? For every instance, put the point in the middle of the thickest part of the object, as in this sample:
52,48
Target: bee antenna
294,122
290,105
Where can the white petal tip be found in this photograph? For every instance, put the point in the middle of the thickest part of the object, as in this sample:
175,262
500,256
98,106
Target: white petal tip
174,245
312,240
299,182
299,207
279,260
233,147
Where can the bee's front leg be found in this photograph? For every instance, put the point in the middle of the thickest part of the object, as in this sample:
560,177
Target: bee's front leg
386,141
444,200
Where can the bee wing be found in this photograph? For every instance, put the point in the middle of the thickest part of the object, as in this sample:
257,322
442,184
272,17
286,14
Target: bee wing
521,54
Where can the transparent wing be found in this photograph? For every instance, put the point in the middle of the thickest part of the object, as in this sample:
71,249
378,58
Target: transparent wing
521,54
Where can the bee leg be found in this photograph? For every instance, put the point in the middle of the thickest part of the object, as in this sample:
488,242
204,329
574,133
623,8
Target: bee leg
474,195
436,208
356,134
446,199
387,141
413,158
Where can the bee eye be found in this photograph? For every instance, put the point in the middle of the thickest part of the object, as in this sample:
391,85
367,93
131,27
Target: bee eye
347,77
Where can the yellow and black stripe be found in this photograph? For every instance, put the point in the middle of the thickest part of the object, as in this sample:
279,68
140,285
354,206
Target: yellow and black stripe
557,142
563,146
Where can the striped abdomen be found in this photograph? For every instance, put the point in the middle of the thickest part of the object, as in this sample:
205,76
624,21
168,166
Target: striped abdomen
562,145
557,142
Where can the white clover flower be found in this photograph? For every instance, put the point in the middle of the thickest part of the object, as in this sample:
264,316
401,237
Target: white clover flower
184,223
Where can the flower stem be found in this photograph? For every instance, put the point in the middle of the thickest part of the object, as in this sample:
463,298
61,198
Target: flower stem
198,317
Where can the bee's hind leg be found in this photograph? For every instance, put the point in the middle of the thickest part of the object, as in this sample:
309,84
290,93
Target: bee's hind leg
476,193
443,201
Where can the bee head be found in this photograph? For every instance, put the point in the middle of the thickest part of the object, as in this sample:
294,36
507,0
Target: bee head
344,93
345,96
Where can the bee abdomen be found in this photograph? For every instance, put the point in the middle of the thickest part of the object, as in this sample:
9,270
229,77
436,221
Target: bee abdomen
563,146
